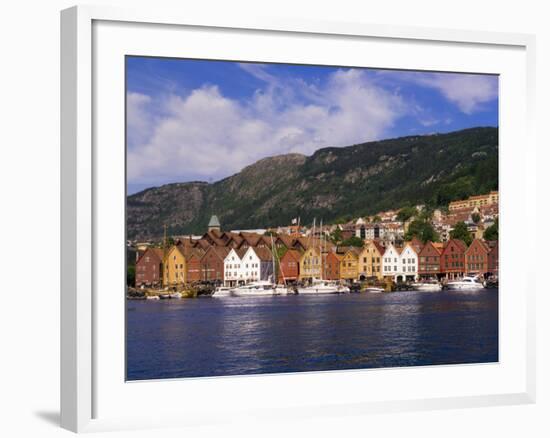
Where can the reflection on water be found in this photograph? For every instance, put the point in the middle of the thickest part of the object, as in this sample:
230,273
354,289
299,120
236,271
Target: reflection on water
229,336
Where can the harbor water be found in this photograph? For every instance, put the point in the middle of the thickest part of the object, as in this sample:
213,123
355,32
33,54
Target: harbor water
234,336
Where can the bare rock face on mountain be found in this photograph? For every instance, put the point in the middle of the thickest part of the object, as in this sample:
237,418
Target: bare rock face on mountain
333,184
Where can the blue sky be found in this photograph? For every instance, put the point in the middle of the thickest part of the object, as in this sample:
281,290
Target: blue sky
190,120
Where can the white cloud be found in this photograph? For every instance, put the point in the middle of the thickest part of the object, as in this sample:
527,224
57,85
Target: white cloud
206,135
469,92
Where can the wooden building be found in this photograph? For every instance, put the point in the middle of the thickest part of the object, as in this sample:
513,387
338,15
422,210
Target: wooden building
149,268
348,264
289,266
175,266
212,264
429,261
477,258
452,259
370,261
331,265
310,264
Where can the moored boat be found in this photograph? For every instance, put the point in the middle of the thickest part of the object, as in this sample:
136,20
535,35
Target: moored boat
466,283
374,290
319,287
256,288
427,286
222,291
152,297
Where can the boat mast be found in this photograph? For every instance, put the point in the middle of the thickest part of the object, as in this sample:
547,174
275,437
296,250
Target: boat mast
321,251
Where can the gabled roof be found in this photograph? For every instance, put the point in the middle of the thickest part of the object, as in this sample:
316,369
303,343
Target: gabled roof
292,253
220,251
457,242
154,252
431,245
263,254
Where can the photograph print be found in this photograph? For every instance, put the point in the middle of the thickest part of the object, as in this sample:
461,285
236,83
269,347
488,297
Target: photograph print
283,218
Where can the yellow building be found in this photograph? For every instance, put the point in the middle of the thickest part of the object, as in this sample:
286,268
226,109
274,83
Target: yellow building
175,267
348,264
370,260
475,201
310,264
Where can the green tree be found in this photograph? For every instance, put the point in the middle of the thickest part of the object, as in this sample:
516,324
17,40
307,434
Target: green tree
353,241
270,233
406,213
377,219
336,236
491,233
422,230
131,275
460,231
476,218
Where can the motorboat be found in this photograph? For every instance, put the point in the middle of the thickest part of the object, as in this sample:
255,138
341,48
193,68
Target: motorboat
427,286
466,283
175,295
319,287
152,297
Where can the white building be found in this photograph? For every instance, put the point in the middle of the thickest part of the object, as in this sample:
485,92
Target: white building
400,264
243,267
409,264
391,262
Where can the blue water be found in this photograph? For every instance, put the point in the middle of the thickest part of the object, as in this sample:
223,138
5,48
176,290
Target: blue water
231,336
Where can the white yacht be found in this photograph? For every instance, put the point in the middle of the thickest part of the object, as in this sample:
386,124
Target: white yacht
257,288
467,283
427,286
319,287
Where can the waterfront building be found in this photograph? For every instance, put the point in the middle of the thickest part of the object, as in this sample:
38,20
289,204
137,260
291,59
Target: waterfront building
233,272
475,201
429,261
492,257
289,266
194,265
257,264
409,263
175,266
149,268
331,265
452,259
391,262
212,264
477,258
370,260
348,264
310,264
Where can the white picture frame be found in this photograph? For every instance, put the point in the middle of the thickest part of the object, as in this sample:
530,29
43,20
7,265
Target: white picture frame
85,374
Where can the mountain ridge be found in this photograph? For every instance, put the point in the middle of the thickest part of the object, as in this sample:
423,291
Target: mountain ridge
333,182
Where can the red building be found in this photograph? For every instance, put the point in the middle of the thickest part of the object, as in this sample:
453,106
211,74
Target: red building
194,265
492,257
211,263
452,259
429,261
289,266
477,258
331,266
149,268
